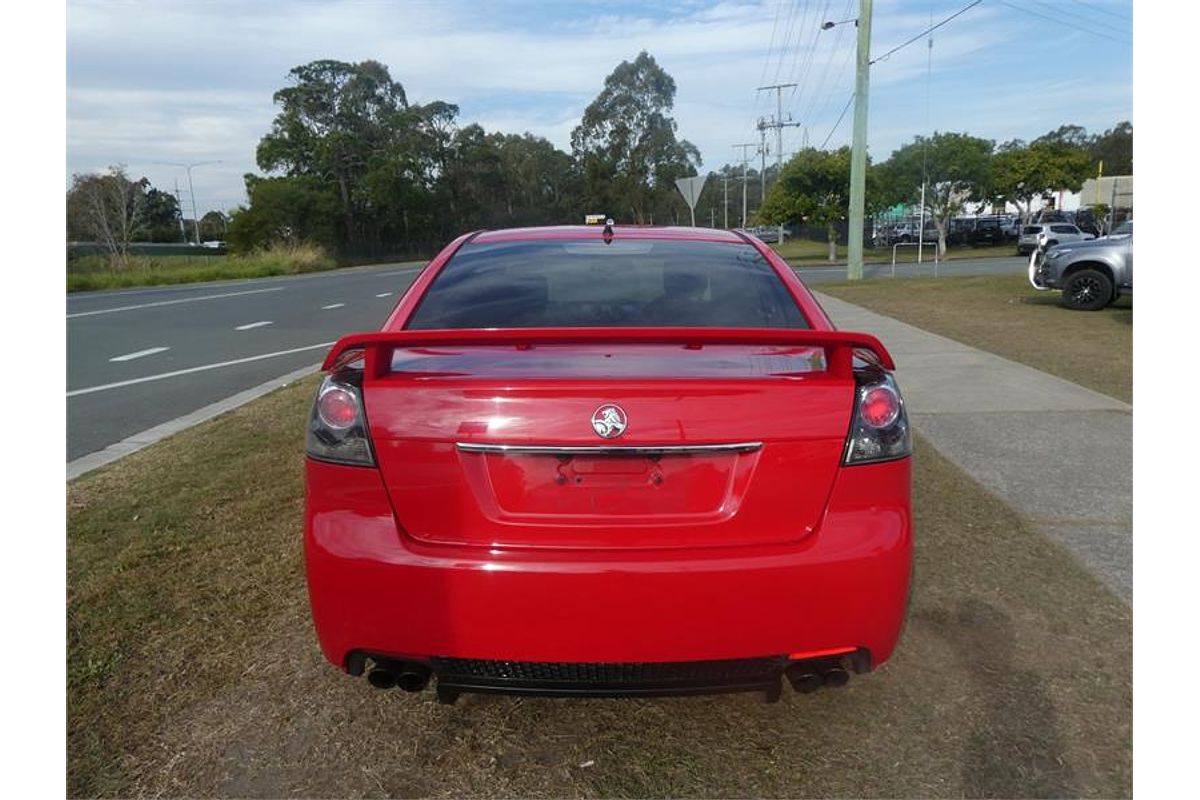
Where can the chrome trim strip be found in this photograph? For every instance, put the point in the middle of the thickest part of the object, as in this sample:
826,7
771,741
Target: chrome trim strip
609,450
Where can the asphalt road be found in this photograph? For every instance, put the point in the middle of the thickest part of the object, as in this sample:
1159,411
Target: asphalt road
141,357
284,324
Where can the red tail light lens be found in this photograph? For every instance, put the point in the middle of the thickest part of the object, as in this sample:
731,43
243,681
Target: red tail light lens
337,408
879,426
879,406
337,426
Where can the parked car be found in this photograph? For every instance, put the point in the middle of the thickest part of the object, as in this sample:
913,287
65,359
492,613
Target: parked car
987,231
1055,233
1091,274
910,232
765,233
634,464
1122,230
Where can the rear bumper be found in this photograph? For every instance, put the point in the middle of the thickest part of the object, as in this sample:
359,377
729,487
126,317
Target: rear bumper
375,590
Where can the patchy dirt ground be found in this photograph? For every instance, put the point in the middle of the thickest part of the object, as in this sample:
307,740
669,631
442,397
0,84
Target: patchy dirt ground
194,670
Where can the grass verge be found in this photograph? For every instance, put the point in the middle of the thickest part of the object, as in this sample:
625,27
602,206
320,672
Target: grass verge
90,273
1004,315
806,253
193,669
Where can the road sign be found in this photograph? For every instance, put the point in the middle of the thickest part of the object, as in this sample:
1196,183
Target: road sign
691,188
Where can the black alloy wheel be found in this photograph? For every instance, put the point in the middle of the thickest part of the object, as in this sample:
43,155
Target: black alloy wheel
1088,290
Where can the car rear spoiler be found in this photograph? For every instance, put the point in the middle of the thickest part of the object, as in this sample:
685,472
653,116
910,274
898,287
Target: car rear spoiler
840,346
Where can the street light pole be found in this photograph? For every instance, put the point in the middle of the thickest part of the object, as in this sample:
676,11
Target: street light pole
858,150
191,190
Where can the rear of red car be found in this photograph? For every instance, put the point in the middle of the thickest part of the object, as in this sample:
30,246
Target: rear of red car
637,464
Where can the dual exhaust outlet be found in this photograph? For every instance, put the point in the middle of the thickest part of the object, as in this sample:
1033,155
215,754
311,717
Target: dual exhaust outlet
805,678
409,676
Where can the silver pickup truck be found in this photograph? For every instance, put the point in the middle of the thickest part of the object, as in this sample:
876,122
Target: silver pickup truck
1090,274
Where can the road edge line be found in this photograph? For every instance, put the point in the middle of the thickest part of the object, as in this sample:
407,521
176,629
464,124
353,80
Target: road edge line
137,441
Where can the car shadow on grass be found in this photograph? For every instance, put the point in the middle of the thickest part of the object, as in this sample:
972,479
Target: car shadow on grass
1014,749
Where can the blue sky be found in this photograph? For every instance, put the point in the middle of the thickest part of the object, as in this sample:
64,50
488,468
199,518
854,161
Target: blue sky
191,82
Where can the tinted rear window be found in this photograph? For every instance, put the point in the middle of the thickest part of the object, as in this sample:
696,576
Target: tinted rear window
1063,229
1031,229
635,283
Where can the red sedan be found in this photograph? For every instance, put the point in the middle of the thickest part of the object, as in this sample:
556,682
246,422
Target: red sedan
632,462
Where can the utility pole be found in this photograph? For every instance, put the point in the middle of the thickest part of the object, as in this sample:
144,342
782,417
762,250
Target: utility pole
726,180
762,152
858,150
745,160
778,124
179,203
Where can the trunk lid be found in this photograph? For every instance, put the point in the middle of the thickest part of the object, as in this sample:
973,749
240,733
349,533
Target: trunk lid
495,445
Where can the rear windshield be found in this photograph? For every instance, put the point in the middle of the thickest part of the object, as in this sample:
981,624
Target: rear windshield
634,283
1032,229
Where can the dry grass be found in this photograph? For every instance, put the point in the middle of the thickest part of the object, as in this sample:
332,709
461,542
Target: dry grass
194,670
95,272
1004,315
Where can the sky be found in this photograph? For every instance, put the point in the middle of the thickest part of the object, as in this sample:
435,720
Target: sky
154,84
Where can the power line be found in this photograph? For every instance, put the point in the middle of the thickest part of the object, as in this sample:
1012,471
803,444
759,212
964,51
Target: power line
1091,7
1060,21
839,121
771,46
809,55
819,90
837,83
1077,15
930,30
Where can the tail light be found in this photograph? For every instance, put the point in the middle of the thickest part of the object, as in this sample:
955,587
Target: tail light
879,428
337,424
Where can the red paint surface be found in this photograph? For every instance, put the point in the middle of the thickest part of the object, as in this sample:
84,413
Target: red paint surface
440,552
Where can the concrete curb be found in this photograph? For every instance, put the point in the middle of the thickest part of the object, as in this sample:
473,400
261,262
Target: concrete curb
132,444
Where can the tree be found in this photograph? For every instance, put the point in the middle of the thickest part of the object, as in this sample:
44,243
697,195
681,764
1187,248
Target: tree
214,226
107,209
285,210
956,168
1115,148
1022,173
814,188
332,122
161,217
626,142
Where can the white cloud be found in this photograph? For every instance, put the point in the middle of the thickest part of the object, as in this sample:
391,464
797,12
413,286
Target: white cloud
152,82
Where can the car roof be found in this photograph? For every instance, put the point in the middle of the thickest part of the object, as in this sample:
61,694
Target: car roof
668,232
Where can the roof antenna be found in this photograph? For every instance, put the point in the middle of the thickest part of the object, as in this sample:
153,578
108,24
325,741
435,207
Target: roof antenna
608,231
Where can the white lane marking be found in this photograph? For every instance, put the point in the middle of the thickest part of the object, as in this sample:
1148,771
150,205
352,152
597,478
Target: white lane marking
332,305
254,325
136,442
171,302
176,373
383,294
148,352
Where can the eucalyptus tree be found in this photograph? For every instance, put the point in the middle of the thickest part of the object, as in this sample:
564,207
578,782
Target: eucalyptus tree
955,167
626,143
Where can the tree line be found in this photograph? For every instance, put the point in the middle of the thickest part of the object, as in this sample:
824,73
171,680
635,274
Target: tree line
350,164
957,171
353,165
